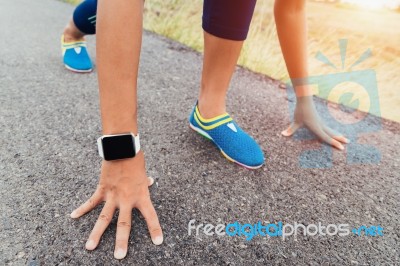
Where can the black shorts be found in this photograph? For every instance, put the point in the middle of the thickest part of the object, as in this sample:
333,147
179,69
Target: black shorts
227,19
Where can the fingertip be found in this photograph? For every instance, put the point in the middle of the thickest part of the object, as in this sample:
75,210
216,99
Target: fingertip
120,253
74,214
158,240
342,139
336,144
340,147
151,181
90,245
285,133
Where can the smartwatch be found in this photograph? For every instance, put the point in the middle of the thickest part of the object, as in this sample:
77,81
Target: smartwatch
118,147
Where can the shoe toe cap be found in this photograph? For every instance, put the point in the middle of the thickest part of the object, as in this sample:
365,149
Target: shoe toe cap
76,61
251,154
242,148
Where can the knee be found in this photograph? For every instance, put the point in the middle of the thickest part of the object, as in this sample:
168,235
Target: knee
84,16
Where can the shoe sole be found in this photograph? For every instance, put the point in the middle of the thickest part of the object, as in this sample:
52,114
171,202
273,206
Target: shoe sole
204,134
77,70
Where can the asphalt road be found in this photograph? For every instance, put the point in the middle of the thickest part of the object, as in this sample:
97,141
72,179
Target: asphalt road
49,121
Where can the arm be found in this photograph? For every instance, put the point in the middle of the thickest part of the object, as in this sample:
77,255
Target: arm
123,184
291,24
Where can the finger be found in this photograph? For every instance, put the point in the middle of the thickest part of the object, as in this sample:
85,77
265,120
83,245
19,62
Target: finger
337,136
317,130
291,129
101,225
150,215
151,181
123,231
89,205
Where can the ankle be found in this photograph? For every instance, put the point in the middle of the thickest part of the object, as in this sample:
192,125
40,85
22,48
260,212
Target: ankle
72,34
211,109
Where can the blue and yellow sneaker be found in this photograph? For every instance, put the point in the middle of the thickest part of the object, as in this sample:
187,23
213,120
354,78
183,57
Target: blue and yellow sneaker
235,144
75,56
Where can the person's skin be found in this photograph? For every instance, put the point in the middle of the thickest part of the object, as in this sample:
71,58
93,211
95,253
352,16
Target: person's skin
123,184
291,24
220,57
72,33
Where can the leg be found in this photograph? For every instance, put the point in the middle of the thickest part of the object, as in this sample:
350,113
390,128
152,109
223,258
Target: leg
72,33
83,22
220,57
226,23
73,44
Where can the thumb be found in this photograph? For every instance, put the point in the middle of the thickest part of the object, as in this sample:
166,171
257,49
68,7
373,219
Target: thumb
291,129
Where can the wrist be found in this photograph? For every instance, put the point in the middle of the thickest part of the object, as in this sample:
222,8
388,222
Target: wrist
304,91
118,146
306,101
119,121
125,162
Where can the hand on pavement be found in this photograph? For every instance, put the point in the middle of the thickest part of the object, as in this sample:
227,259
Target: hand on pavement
123,185
305,114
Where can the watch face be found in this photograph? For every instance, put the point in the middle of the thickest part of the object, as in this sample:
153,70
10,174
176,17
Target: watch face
118,147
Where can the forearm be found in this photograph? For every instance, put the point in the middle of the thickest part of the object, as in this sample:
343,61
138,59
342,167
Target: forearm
291,24
290,17
119,36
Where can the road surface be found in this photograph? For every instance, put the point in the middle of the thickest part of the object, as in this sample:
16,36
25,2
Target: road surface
49,121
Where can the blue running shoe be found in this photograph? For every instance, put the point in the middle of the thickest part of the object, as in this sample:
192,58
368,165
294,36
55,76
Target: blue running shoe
75,56
235,144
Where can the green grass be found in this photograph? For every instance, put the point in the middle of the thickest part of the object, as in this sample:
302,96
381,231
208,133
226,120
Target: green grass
74,2
181,20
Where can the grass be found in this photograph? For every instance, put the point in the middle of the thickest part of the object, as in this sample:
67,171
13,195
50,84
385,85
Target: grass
181,20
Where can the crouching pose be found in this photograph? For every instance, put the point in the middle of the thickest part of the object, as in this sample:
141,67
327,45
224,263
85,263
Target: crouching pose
123,182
